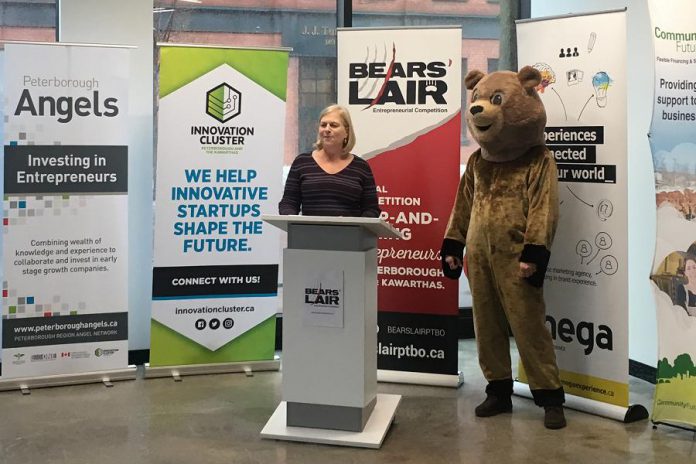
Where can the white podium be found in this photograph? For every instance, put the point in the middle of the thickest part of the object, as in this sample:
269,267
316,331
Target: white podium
329,360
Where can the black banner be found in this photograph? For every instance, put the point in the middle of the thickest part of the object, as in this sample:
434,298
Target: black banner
37,169
62,330
251,279
417,343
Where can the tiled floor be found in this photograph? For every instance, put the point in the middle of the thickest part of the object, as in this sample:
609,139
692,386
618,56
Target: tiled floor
217,419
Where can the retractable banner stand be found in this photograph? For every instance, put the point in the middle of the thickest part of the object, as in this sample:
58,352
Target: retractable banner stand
65,249
582,61
219,168
673,145
403,89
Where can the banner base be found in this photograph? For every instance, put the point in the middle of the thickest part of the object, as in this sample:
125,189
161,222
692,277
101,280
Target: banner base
673,425
218,368
421,378
632,413
25,384
372,435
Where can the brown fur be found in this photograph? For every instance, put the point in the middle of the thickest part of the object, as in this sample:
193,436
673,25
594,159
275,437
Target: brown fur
505,213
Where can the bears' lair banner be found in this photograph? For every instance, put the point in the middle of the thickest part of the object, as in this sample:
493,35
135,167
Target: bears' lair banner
403,89
65,235
582,61
219,167
673,146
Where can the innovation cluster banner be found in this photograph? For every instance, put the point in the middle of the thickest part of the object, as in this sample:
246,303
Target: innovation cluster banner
219,168
582,61
403,89
65,248
673,145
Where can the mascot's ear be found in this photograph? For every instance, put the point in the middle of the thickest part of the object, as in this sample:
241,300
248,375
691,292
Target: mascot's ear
473,78
529,78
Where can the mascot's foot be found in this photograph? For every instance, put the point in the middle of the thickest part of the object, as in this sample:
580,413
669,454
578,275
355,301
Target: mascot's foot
554,417
493,406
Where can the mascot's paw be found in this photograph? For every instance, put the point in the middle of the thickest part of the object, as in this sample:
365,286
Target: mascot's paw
494,405
538,255
451,248
554,418
451,273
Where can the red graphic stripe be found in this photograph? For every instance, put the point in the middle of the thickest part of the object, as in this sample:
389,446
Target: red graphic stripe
386,79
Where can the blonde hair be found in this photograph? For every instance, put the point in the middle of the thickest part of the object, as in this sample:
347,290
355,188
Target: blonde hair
347,123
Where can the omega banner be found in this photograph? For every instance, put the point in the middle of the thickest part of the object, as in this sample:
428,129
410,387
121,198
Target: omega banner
673,145
582,61
403,89
65,249
219,167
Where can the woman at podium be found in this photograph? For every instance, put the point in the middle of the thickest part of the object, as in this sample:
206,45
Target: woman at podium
331,181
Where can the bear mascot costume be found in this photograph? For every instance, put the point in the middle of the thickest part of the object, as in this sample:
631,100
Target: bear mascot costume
505,215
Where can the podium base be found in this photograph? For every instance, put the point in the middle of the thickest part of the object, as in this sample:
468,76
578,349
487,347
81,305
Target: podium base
372,435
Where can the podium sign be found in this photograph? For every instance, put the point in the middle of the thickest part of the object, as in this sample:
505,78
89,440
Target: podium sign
323,299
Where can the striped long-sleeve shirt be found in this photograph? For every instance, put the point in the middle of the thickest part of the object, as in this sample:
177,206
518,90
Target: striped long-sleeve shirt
314,192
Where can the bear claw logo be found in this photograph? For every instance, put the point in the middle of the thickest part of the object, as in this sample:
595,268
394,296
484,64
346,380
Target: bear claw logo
224,102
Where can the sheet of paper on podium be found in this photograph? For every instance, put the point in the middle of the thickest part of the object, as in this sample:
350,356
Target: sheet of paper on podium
323,299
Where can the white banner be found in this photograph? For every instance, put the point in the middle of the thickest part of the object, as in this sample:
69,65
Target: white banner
65,295
582,60
673,144
219,167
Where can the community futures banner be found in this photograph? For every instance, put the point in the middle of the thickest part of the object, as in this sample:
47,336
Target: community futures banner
219,168
582,61
403,89
673,145
64,294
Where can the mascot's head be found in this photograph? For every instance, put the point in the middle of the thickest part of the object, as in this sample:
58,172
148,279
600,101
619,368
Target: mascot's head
506,116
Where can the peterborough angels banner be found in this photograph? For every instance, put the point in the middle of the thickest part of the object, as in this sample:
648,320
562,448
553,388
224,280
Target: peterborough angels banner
673,145
65,249
582,61
219,167
403,89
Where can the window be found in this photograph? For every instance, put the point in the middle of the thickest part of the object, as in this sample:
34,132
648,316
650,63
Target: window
31,21
317,91
493,64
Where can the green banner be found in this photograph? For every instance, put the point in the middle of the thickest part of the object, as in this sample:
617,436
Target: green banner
182,65
221,122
